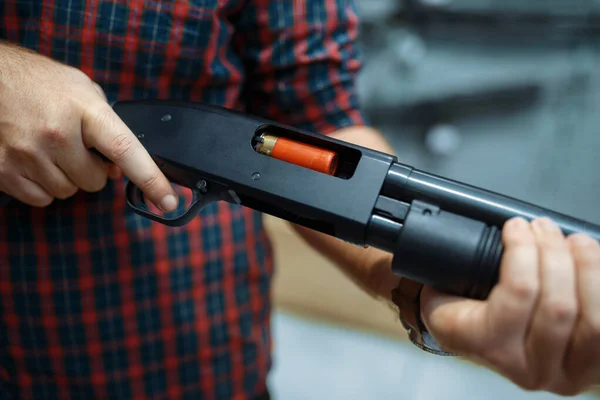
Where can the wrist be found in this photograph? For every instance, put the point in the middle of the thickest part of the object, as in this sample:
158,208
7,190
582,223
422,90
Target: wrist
380,278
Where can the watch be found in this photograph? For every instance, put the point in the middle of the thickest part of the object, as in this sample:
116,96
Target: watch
407,297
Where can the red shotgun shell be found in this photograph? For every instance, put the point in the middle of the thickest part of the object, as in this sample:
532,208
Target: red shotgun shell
301,154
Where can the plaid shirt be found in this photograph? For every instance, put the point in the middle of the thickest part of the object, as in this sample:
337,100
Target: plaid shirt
99,303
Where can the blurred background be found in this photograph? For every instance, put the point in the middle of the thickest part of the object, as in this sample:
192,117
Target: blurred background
503,94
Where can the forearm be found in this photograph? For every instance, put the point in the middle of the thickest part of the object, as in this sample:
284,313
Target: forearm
368,267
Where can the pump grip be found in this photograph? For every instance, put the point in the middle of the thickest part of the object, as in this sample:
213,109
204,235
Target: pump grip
449,252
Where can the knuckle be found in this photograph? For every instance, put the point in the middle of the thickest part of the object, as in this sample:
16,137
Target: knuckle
99,89
524,290
57,186
77,75
101,113
42,201
121,147
589,261
513,365
560,310
55,135
97,185
66,191
95,180
151,181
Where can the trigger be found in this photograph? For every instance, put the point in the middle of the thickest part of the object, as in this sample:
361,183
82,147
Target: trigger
137,202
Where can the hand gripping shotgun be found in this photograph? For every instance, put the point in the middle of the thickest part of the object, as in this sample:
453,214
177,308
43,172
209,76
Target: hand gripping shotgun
442,233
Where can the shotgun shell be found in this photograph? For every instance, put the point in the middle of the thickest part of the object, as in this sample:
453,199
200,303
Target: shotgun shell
301,154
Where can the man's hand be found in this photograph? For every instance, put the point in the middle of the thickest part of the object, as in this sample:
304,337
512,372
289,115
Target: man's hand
50,116
540,327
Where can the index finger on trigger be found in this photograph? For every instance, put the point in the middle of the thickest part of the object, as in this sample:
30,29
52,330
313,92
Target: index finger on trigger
105,131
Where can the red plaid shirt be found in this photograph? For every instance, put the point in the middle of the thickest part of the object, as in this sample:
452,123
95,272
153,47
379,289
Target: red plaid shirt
99,303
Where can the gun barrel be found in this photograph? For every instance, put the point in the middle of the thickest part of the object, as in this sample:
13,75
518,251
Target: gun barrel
406,183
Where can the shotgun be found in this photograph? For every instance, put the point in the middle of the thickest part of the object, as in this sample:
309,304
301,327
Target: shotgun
442,233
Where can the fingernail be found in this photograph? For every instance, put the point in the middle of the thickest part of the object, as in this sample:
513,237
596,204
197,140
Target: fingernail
517,224
168,203
581,240
547,225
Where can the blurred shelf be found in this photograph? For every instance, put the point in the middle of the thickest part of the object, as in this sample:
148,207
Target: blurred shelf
547,8
538,8
444,73
500,94
519,24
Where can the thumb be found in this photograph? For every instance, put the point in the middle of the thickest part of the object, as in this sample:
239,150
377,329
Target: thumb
468,326
459,325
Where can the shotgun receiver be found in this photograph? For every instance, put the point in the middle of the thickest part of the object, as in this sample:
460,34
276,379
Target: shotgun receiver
442,233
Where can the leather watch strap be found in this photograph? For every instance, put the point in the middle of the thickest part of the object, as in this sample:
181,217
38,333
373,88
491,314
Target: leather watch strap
407,297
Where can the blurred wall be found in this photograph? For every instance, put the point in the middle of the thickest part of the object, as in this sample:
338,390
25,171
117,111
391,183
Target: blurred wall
501,94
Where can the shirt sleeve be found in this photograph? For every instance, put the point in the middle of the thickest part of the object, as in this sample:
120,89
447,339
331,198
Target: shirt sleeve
301,59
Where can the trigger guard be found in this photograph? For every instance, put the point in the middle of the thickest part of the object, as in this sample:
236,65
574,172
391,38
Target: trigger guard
134,193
